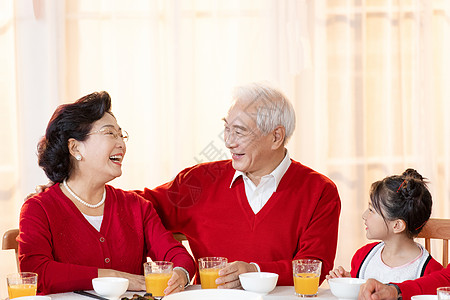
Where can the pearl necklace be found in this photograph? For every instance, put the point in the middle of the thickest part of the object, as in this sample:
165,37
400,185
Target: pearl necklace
82,201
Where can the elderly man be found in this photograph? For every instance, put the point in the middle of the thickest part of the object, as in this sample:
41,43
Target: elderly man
375,290
261,209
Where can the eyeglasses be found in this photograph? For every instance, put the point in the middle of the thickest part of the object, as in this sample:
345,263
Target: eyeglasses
112,132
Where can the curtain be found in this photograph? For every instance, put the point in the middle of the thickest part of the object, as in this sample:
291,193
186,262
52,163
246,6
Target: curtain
368,80
384,94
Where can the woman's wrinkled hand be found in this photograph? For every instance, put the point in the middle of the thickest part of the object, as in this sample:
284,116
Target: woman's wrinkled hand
136,282
176,283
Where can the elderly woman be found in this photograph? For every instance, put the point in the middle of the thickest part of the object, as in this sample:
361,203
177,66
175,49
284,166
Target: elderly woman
81,228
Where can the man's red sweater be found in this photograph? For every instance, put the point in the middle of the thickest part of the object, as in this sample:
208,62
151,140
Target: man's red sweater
425,285
300,220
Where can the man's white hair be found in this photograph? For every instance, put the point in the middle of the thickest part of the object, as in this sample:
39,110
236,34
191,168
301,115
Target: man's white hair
272,107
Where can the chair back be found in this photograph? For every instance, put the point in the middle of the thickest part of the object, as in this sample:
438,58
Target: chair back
437,229
9,242
179,237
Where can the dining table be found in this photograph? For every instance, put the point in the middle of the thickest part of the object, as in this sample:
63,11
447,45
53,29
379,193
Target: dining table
280,292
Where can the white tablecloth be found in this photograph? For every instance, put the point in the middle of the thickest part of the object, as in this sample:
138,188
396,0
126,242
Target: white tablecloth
280,292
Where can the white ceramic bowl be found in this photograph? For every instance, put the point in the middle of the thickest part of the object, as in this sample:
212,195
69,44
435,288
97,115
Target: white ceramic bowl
424,297
110,287
258,282
345,287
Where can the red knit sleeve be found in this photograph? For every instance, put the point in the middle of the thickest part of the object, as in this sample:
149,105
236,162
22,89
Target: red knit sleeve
426,284
160,200
181,192
161,244
432,266
318,240
35,255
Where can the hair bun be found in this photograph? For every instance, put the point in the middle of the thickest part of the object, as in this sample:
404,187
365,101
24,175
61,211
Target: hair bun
408,189
411,173
412,186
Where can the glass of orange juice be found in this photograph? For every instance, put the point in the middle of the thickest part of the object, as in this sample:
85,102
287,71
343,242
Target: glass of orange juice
21,284
157,274
443,293
209,270
306,276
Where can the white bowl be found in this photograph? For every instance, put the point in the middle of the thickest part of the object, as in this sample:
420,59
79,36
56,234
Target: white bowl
345,287
110,287
259,282
424,297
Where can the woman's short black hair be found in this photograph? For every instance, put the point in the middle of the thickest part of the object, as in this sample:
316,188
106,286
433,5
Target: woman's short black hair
72,120
404,197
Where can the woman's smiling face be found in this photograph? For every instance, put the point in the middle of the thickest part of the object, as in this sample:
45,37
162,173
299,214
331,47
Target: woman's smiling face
103,151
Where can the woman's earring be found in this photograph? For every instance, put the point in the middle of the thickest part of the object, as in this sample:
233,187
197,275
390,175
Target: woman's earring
78,157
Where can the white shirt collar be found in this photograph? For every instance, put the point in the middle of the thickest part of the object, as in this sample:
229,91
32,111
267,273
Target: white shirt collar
278,173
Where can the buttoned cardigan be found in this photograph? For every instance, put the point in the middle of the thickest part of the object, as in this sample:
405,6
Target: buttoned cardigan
57,242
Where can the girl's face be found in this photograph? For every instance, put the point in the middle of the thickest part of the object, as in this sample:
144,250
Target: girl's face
376,227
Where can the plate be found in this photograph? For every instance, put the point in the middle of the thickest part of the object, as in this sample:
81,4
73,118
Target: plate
216,294
37,297
424,297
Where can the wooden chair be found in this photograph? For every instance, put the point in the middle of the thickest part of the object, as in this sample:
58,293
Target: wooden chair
9,242
437,229
179,237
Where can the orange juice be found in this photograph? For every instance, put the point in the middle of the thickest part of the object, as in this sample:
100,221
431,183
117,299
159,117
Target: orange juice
20,290
208,278
306,283
156,283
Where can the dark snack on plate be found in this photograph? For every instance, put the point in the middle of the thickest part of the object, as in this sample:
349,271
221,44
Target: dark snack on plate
147,296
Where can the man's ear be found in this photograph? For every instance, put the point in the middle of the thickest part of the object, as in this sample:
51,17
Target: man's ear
399,226
278,136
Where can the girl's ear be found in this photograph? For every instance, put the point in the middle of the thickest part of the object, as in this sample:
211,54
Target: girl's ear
399,226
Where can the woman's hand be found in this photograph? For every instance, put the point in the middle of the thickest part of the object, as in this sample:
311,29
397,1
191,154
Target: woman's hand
176,283
137,282
338,272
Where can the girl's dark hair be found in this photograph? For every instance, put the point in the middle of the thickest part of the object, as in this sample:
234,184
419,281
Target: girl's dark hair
72,120
404,197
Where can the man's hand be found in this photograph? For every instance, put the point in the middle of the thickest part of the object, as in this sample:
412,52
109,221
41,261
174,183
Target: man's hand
229,276
40,188
375,290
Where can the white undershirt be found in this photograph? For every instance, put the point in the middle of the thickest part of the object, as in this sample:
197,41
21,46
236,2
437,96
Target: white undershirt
95,221
374,267
258,196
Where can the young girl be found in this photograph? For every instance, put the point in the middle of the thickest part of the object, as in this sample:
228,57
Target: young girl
398,209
